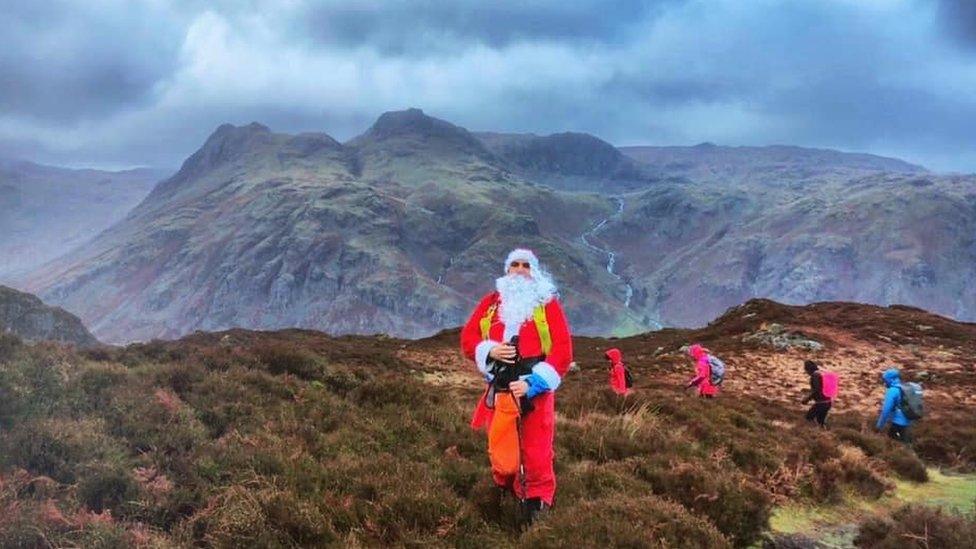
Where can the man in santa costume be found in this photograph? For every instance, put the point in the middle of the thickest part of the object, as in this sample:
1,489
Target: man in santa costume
525,305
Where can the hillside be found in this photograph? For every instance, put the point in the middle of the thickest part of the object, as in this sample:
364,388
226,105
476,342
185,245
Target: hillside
47,211
570,161
295,438
690,251
770,164
394,232
26,317
401,229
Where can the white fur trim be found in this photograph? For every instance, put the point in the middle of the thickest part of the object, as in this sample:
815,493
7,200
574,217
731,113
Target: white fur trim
548,374
481,354
523,254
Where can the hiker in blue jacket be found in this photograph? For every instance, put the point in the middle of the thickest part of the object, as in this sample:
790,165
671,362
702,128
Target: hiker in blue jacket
891,407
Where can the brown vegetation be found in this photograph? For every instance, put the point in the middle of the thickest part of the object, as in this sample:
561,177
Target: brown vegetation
916,526
294,438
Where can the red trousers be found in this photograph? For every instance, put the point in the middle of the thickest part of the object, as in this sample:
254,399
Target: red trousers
538,430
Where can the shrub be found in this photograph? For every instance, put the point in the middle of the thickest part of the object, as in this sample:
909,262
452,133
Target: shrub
299,520
20,530
461,475
788,541
852,468
823,447
217,358
342,382
646,521
104,536
398,391
869,442
416,510
235,518
917,526
59,449
284,358
824,484
739,509
589,480
260,514
91,389
9,346
905,463
149,418
495,505
603,437
153,351
862,476
33,382
179,376
950,441
110,489
101,353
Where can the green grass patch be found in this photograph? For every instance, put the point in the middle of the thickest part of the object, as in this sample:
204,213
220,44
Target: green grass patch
834,525
951,492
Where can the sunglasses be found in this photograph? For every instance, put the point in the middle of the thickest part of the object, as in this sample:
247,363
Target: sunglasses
523,264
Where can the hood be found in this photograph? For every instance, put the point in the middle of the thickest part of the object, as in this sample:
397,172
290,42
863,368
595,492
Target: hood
891,377
614,355
696,351
810,366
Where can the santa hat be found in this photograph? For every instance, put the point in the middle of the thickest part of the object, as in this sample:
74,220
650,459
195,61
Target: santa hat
522,254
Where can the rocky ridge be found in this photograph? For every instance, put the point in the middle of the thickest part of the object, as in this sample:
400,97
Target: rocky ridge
27,317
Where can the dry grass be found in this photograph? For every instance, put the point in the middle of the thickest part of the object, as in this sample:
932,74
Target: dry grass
294,438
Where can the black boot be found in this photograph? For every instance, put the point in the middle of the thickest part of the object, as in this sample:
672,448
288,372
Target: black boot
534,509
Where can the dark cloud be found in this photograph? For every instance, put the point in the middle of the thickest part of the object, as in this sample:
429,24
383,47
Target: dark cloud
126,82
408,27
959,17
64,62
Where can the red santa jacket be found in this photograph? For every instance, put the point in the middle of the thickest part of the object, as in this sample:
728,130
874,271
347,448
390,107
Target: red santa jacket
557,361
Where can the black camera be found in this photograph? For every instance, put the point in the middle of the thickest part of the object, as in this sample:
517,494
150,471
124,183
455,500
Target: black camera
505,372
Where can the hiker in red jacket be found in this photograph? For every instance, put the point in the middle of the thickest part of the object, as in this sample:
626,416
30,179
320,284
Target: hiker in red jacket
618,372
703,372
519,339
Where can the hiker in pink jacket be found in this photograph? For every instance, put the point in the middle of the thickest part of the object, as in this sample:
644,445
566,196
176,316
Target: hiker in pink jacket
703,372
618,372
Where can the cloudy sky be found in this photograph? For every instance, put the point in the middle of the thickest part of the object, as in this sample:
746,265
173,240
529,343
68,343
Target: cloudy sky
114,83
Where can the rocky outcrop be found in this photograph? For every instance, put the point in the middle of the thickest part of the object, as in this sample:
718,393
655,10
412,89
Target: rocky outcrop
28,318
777,164
569,161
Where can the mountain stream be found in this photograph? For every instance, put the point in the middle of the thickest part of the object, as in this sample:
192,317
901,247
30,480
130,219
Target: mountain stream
611,255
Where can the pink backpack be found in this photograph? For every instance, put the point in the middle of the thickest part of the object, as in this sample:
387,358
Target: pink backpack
831,382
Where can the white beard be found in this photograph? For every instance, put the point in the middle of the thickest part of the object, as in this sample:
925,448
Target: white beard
520,296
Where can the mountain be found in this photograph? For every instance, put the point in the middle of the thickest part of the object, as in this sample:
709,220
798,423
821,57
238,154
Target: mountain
298,439
47,210
28,318
397,231
691,251
772,164
569,161
400,229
